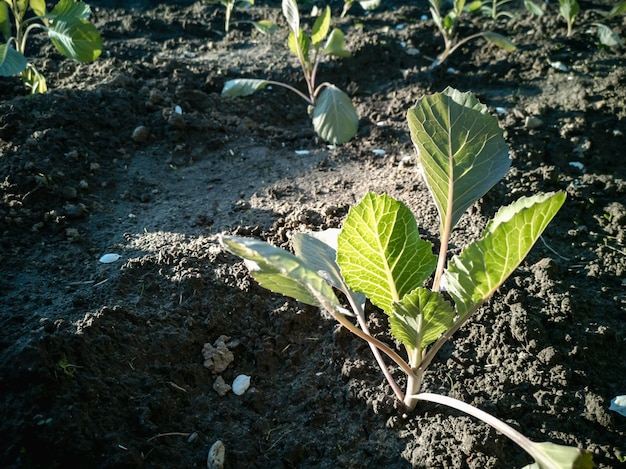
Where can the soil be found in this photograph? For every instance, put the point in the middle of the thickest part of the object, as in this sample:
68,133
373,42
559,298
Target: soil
103,364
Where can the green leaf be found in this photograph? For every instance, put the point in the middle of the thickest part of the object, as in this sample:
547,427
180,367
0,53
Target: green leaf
5,21
70,9
243,86
300,48
265,26
534,8
380,251
319,251
370,5
617,9
334,118
335,44
11,61
39,7
320,27
420,318
282,272
461,150
484,265
33,80
568,9
607,36
292,15
75,38
500,41
562,457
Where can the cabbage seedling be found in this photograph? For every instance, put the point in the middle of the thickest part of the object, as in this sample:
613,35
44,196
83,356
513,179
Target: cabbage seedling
263,26
379,254
447,27
334,118
67,26
569,9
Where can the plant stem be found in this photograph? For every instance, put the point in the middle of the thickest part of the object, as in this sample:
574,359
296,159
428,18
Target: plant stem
291,88
489,419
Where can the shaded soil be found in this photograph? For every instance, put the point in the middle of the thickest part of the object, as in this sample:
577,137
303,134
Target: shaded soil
101,365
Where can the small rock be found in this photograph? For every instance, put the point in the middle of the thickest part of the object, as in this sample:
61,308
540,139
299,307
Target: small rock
241,384
140,134
533,122
69,193
220,386
216,457
218,357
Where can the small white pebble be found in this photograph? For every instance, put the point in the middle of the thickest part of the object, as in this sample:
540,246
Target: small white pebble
558,65
424,17
109,258
400,27
500,110
178,110
331,147
217,455
577,164
241,384
302,152
379,151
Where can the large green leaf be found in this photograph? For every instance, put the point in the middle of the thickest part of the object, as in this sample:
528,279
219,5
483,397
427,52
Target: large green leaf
282,272
380,251
461,150
334,118
321,27
292,15
70,9
243,86
301,47
75,38
562,457
420,318
474,275
607,36
11,61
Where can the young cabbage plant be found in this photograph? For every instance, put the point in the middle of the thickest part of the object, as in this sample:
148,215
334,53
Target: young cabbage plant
334,117
380,255
264,26
568,9
67,26
493,8
447,27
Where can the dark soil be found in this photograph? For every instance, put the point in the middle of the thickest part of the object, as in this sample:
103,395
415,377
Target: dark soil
101,365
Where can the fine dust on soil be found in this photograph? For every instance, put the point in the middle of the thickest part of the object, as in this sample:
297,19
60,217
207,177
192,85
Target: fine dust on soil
101,365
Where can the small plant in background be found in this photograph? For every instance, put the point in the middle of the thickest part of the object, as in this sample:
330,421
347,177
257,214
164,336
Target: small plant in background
334,118
380,255
367,5
67,26
447,27
263,26
492,8
568,10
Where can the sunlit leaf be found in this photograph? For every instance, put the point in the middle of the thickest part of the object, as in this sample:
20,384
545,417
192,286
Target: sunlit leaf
334,118
75,38
420,318
461,150
320,27
282,272
300,48
11,61
70,9
335,44
380,251
562,457
38,6
618,9
370,5
243,86
474,275
33,80
265,26
607,36
500,41
292,15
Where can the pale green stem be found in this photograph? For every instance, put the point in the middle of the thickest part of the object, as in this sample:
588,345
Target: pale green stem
489,419
291,88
